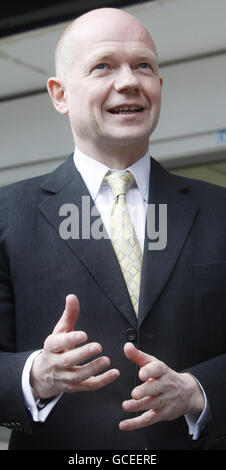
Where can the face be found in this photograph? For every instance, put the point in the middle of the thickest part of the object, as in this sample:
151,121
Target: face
113,90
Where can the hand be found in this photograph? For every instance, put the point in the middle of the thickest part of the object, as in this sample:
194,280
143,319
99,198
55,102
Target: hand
57,368
164,395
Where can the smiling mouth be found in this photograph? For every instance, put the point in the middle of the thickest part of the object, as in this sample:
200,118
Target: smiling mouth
126,110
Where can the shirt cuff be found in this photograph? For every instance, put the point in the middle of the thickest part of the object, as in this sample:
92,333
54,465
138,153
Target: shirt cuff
38,415
196,426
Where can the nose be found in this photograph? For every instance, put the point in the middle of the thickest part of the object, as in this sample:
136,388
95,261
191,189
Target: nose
126,80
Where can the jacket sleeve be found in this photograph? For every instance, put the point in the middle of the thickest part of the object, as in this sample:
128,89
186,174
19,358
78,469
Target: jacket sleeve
212,377
13,413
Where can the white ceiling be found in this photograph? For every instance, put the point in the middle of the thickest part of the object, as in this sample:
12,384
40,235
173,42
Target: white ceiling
181,29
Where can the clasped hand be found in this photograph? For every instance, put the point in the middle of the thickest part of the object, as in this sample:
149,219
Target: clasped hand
164,394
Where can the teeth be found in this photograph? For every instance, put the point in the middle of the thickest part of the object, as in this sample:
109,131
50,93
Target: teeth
126,109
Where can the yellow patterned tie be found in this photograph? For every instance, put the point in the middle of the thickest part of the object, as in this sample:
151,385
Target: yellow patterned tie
123,235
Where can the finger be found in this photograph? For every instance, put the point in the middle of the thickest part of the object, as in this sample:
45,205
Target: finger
77,375
70,315
135,355
64,341
144,404
76,356
152,387
153,370
142,421
95,383
74,376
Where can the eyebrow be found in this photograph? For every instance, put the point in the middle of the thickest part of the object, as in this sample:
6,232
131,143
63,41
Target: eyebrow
98,56
149,56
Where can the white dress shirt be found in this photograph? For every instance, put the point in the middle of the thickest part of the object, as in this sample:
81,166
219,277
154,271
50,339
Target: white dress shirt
93,173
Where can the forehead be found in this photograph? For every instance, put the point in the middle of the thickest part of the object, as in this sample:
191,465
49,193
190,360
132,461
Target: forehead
111,38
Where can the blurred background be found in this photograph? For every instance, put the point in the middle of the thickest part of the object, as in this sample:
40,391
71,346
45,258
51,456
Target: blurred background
191,40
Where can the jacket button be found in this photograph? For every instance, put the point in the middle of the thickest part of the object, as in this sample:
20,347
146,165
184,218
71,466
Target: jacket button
131,334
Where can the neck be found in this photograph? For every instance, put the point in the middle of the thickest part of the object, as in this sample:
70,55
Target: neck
118,157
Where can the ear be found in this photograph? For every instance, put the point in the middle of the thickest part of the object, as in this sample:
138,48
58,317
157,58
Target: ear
56,89
161,81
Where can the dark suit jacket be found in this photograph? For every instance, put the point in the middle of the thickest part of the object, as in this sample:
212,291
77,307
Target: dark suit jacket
182,316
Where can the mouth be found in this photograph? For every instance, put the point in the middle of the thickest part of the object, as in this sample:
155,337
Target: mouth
126,109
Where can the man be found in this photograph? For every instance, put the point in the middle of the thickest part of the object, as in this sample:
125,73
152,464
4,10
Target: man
166,388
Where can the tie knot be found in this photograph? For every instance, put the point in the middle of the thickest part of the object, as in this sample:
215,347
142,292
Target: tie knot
119,182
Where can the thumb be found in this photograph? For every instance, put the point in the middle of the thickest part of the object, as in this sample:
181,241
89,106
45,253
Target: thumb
69,316
137,356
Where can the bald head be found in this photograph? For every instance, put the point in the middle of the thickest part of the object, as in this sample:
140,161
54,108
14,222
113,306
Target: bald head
69,44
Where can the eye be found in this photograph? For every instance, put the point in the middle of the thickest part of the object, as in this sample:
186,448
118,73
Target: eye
101,66
145,65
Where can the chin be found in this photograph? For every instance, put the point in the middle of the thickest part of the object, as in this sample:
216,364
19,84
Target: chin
130,138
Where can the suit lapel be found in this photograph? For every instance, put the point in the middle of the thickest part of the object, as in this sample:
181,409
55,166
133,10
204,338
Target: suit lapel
181,211
65,186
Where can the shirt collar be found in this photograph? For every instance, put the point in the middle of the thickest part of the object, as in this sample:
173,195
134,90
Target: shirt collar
141,171
87,167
